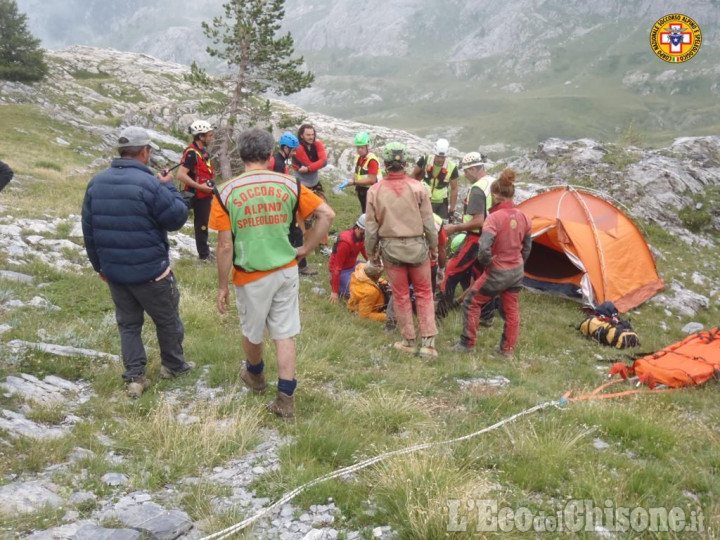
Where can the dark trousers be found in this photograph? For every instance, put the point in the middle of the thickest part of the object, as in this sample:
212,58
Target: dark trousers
160,300
201,212
441,209
362,196
296,241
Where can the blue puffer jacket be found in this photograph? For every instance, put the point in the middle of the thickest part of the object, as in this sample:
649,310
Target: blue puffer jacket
125,218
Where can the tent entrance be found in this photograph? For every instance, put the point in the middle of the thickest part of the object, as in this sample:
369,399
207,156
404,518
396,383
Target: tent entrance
550,270
548,263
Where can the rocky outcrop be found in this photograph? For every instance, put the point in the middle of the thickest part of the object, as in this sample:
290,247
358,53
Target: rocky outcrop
95,89
651,185
28,497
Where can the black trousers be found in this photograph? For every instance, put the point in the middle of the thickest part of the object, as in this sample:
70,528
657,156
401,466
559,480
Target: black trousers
160,300
441,209
201,212
362,196
296,241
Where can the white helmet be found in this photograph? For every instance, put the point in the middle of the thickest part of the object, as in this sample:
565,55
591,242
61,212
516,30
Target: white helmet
441,147
361,222
473,159
198,127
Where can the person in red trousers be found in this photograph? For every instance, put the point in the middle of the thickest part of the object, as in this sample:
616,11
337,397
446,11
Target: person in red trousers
504,247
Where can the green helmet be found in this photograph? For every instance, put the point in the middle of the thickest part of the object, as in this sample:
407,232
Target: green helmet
456,242
394,152
362,138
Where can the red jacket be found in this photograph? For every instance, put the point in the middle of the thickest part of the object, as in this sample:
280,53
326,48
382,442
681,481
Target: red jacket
301,156
505,240
344,256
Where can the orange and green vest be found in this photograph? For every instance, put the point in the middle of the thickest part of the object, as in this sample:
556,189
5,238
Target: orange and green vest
484,184
261,206
437,179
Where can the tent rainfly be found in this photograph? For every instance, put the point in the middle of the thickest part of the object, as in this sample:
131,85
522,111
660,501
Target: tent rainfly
584,247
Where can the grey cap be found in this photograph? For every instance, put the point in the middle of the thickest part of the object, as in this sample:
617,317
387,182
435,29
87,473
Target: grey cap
135,136
361,222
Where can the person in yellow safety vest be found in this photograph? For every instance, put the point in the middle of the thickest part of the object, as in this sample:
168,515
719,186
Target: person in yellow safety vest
366,170
463,266
439,173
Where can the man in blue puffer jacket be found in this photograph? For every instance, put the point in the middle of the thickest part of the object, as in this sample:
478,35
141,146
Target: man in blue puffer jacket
125,218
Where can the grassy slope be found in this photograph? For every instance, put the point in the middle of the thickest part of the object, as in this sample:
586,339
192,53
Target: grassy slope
358,397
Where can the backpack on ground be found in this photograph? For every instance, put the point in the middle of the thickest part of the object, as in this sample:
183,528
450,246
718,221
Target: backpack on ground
607,328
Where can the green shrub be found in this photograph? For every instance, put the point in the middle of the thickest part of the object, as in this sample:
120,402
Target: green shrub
620,158
694,219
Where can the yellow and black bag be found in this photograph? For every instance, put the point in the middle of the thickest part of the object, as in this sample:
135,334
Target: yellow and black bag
605,327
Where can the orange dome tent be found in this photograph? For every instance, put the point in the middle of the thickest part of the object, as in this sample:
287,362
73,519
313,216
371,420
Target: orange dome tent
583,246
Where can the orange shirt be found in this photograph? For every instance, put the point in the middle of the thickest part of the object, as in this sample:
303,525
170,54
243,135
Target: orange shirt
220,221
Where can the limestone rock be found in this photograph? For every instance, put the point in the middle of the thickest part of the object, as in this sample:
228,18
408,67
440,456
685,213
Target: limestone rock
692,327
61,350
497,381
80,498
17,425
114,479
152,519
15,276
599,444
64,532
684,301
53,390
93,532
28,497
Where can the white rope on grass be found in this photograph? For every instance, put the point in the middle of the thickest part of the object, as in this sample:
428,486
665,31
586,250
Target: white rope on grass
226,533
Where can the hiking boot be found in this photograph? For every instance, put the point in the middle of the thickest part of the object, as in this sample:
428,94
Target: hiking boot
504,352
137,386
325,251
486,323
405,346
256,383
165,373
428,352
390,325
283,406
307,271
460,347
427,348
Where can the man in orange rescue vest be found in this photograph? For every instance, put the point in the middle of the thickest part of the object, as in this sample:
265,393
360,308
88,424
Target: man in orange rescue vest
196,172
253,213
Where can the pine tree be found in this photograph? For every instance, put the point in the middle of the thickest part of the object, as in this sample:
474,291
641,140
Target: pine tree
246,38
21,58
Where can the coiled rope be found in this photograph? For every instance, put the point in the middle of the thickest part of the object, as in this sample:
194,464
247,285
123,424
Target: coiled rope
226,533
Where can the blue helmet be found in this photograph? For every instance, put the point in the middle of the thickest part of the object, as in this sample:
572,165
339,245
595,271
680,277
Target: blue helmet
289,140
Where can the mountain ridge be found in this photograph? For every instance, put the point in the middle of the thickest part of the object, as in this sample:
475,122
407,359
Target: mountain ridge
523,71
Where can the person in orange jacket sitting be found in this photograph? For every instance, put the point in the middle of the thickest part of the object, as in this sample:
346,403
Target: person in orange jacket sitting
367,298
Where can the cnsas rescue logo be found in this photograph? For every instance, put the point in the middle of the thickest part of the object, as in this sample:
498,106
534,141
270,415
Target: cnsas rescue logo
675,38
